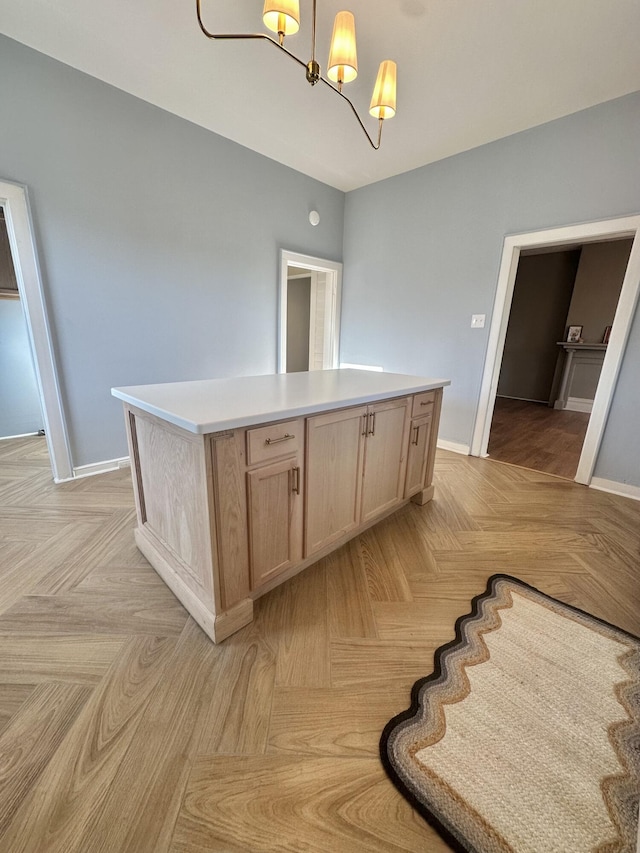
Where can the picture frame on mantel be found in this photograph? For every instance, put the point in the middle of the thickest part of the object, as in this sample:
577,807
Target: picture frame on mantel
607,335
574,334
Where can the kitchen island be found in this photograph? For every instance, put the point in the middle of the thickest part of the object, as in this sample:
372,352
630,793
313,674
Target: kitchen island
241,483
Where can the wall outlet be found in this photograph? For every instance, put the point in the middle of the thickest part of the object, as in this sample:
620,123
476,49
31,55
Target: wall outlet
477,321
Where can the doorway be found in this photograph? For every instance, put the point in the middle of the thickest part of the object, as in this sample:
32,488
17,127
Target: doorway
14,202
563,305
20,413
514,246
309,313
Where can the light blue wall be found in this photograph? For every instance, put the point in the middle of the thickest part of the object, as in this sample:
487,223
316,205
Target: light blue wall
619,458
159,241
19,401
422,252
159,245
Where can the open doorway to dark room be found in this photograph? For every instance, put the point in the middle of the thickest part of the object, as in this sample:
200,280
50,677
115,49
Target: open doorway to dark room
563,306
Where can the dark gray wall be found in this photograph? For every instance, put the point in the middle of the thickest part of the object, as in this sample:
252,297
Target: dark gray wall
298,315
598,285
422,252
541,297
159,241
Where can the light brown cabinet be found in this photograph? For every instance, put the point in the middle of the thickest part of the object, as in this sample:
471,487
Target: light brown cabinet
335,445
355,468
385,457
274,502
225,517
419,442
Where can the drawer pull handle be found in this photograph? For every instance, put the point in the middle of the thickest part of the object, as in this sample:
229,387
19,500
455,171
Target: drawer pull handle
285,437
296,480
365,422
372,429
426,402
417,433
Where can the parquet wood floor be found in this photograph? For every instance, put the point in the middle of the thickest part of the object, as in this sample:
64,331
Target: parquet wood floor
537,437
123,728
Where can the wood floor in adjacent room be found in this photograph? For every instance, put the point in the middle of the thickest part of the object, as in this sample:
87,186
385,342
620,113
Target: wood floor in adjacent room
123,728
538,437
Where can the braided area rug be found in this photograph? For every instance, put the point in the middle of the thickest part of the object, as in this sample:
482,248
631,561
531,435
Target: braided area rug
526,737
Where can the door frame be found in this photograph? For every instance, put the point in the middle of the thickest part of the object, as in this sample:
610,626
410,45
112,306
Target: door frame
589,232
333,269
14,199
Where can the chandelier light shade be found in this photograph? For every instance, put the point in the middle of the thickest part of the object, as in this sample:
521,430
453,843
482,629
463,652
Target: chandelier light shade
283,17
383,102
343,59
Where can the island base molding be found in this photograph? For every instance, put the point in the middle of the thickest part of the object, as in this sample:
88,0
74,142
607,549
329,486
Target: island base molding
216,626
423,497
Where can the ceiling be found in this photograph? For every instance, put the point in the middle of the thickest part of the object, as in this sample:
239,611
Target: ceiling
469,71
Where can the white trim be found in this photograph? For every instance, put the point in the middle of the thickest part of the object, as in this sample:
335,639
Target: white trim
20,435
454,447
623,489
100,467
590,232
522,399
313,309
578,404
334,283
331,339
13,197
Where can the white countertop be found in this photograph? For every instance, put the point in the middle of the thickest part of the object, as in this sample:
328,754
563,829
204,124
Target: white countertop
212,405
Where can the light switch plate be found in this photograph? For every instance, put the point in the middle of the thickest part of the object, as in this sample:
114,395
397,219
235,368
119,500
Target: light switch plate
477,321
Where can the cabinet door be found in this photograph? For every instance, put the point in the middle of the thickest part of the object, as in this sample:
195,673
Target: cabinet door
418,454
275,519
385,458
333,475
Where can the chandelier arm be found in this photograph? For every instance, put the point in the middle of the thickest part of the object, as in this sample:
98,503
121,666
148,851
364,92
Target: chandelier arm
355,112
272,41
262,36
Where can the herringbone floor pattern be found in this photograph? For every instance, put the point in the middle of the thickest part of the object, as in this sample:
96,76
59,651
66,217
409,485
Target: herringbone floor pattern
123,728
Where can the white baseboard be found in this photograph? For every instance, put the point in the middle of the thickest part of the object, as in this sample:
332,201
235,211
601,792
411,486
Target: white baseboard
100,467
521,399
454,447
623,489
20,435
578,404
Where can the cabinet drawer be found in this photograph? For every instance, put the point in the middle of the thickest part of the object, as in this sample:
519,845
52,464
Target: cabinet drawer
423,403
272,442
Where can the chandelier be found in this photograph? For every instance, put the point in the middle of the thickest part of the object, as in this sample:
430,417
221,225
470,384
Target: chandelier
283,17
